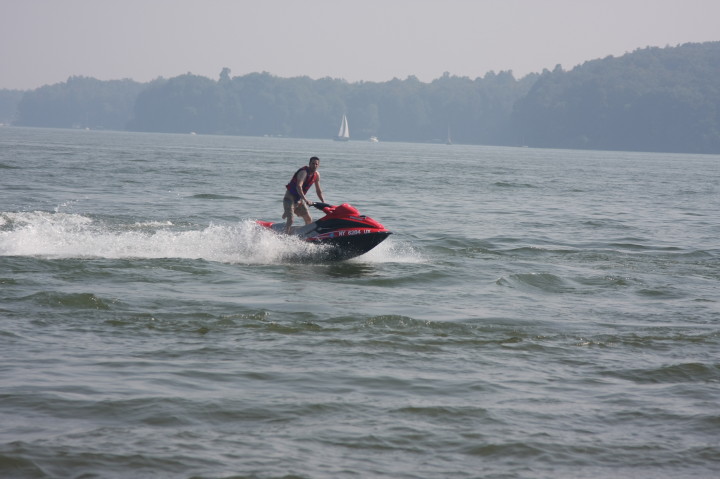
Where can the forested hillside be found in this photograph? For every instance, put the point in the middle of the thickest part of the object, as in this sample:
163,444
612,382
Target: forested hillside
653,99
80,102
476,111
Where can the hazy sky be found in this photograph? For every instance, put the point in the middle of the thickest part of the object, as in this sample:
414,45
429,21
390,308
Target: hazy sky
46,41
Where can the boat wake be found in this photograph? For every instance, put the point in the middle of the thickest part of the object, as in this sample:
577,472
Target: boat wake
62,235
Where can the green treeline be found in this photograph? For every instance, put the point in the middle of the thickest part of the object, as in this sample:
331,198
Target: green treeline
477,111
80,102
653,99
650,100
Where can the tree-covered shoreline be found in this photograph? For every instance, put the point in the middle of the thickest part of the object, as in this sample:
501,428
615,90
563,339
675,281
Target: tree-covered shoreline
653,99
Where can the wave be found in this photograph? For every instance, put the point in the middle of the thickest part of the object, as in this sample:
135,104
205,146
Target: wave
545,282
670,374
509,184
210,196
70,300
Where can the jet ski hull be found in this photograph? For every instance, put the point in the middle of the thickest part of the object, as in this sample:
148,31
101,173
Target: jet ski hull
346,247
343,232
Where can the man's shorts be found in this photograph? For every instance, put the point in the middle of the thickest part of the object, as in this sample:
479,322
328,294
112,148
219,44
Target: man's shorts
292,207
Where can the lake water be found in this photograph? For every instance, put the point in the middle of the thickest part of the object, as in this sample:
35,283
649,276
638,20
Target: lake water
536,313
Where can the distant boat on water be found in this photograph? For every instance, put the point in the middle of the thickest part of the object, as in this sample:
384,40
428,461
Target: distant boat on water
449,139
374,139
344,133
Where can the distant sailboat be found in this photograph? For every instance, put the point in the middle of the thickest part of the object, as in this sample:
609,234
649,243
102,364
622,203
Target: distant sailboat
344,133
449,139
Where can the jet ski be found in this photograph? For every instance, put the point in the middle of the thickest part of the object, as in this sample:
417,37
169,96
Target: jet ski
343,230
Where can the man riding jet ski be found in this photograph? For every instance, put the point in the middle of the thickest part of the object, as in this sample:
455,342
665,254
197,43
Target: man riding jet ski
343,228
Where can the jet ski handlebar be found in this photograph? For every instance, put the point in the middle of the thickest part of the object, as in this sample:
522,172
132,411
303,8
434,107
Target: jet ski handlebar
322,206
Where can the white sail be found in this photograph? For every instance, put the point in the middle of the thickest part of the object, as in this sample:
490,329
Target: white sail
344,133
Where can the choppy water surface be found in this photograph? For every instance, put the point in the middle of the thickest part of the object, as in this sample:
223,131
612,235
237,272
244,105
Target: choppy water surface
537,313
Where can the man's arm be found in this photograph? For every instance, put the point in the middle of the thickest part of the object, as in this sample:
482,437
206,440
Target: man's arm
318,190
301,177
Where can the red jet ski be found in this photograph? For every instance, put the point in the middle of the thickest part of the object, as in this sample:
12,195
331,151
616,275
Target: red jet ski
343,229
